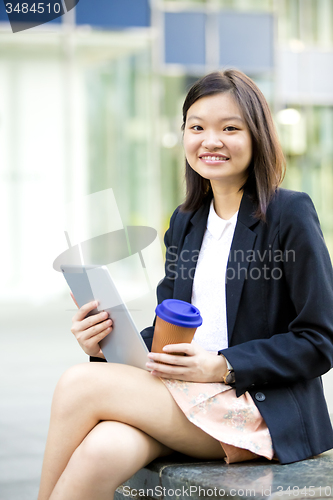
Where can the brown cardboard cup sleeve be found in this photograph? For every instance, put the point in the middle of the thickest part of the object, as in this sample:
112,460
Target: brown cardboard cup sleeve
176,322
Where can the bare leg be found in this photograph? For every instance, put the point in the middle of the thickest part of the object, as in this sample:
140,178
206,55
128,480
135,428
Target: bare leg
110,454
90,393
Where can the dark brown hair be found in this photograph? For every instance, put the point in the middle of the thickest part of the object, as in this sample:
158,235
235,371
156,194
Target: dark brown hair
267,167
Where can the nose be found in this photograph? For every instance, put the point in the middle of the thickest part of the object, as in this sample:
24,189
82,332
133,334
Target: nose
212,140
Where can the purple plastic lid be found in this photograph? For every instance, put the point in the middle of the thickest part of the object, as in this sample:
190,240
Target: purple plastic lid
179,313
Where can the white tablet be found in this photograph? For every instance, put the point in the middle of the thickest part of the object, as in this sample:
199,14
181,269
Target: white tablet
124,343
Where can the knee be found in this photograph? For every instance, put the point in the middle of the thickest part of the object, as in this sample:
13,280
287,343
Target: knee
100,458
72,387
74,375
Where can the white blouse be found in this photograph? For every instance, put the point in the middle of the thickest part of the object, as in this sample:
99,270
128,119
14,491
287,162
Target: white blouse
208,292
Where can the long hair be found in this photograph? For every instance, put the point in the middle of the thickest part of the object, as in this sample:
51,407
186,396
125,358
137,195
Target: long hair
267,166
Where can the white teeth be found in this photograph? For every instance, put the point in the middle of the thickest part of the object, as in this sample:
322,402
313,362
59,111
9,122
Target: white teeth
214,158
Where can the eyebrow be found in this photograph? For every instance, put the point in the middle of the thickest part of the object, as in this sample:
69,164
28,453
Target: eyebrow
228,118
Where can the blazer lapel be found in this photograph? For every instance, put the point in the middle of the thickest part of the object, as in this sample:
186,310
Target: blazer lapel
243,240
237,268
189,254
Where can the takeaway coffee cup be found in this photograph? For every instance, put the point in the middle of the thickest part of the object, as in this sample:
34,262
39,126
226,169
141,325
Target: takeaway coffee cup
176,323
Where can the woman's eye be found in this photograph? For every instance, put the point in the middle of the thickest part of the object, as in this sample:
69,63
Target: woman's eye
230,129
197,128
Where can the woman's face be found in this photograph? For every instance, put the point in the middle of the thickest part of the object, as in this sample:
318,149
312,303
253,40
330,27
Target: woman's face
217,141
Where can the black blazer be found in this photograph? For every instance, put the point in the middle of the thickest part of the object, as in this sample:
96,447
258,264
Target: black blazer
279,293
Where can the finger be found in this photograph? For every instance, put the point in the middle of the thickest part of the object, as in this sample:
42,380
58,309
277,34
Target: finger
77,305
94,320
167,370
91,346
96,353
95,331
167,359
98,337
83,334
165,374
100,354
187,349
85,309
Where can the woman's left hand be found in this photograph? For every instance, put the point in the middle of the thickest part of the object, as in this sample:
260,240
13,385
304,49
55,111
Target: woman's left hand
198,365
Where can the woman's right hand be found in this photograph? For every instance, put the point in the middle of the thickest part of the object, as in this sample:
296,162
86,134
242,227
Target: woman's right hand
89,331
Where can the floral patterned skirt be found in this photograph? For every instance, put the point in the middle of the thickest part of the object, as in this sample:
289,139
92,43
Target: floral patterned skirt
235,422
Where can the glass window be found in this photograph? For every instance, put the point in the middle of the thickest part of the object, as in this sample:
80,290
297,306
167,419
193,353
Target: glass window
309,152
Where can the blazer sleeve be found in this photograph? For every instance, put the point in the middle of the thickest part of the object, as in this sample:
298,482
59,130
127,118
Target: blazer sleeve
165,287
306,350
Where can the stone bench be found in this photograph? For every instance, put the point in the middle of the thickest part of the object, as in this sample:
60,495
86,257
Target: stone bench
178,477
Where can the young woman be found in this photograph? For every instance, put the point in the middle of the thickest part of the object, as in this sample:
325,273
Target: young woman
252,258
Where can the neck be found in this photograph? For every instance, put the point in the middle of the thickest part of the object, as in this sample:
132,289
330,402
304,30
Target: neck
226,200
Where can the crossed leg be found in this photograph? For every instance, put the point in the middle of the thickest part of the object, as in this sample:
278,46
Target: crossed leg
108,421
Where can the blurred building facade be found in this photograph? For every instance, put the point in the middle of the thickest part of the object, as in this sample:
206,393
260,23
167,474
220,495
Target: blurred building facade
93,101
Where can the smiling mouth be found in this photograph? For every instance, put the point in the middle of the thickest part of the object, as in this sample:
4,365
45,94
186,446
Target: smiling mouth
214,158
